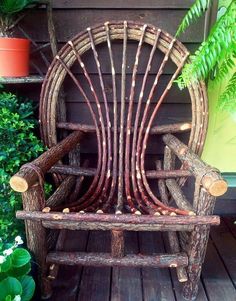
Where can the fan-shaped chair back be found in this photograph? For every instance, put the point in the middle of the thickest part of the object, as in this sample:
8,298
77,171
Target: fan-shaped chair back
124,123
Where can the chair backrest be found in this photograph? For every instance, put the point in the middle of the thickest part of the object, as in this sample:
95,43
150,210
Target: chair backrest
123,124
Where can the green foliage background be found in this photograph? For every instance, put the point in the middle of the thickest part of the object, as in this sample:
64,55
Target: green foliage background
18,145
216,54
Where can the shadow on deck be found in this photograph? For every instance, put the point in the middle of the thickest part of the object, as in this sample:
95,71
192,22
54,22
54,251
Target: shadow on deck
218,281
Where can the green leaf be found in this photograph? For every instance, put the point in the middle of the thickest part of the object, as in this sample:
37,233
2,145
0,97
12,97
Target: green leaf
28,287
196,11
17,272
20,257
10,286
6,265
14,6
220,42
227,100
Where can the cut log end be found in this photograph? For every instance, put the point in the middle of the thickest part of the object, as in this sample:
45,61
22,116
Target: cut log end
218,188
46,210
18,184
66,210
183,279
185,126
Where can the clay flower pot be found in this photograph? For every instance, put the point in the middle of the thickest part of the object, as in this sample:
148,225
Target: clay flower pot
14,57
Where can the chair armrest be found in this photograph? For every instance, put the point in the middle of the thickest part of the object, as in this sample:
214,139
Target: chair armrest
210,178
33,172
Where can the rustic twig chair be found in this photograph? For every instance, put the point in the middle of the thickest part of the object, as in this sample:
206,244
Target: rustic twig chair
120,195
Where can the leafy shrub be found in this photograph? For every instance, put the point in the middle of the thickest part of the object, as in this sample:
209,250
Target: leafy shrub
15,283
18,145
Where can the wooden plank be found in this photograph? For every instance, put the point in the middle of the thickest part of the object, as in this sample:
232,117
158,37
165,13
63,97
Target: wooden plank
95,283
160,4
70,22
174,96
91,67
177,286
216,281
66,290
156,282
168,113
126,282
226,206
230,222
226,246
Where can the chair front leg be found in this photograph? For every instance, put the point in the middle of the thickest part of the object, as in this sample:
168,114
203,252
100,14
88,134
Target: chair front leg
33,200
197,246
196,254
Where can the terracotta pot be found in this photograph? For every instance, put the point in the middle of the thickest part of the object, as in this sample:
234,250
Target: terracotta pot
14,57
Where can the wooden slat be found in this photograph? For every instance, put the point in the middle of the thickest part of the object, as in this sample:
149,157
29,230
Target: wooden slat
95,284
226,246
126,282
217,282
34,79
66,289
177,286
79,20
175,95
117,50
156,282
230,223
153,4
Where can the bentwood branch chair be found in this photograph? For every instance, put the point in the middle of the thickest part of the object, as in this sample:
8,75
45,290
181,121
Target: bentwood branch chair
122,193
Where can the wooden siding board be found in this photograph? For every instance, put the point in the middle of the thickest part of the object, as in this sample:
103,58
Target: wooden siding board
70,22
93,4
175,95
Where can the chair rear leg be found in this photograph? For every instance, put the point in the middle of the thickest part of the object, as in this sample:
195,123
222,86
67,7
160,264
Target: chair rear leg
196,253
33,199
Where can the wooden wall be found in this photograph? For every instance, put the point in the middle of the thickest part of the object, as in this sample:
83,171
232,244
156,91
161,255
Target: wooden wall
73,16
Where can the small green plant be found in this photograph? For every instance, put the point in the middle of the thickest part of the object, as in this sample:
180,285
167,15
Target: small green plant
15,283
217,54
18,145
8,9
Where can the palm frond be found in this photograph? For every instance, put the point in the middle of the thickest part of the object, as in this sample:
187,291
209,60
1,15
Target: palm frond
222,38
227,100
195,12
10,7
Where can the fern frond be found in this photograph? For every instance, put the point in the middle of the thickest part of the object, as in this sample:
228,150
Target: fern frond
195,12
225,67
227,100
221,40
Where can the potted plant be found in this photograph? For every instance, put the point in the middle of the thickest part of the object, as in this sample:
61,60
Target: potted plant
215,60
14,52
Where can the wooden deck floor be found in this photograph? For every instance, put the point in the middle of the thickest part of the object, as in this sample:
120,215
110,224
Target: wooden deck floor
218,281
